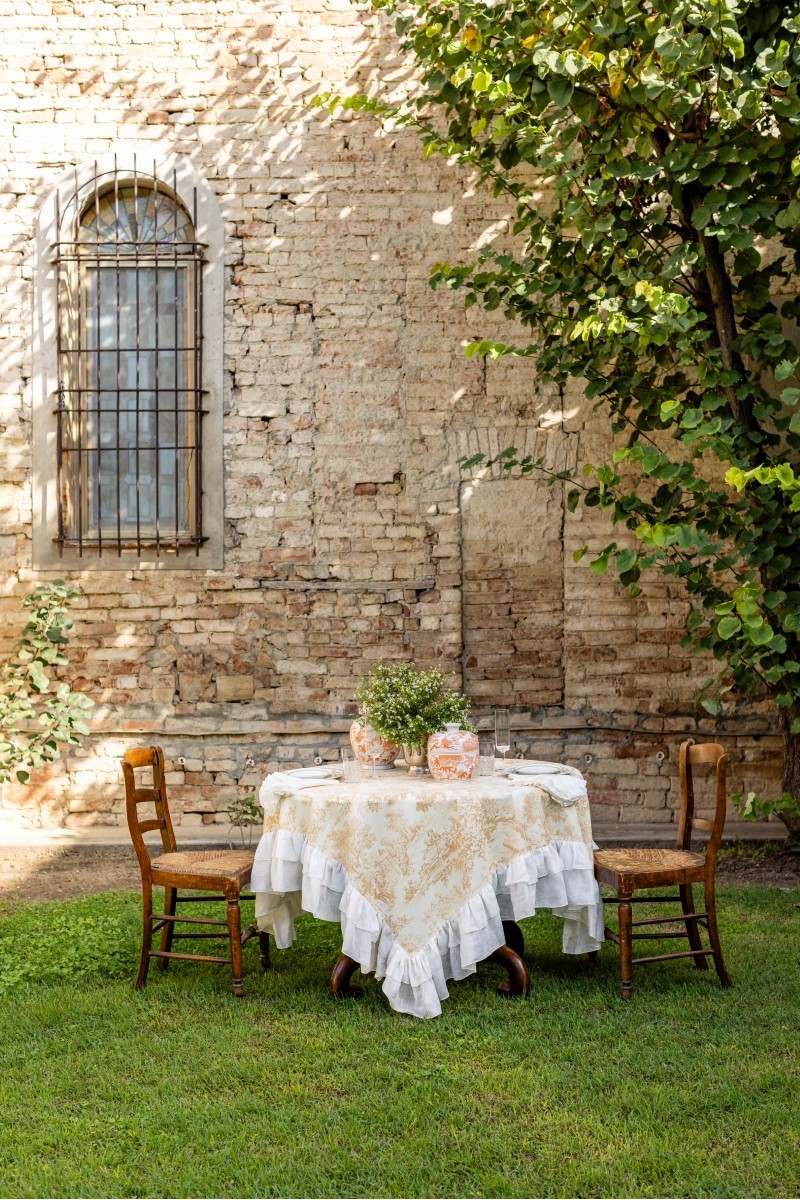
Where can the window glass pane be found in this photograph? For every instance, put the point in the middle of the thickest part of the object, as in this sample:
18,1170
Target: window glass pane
119,220
139,376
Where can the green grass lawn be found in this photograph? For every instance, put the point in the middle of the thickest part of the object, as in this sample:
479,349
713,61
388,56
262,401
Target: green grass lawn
182,1090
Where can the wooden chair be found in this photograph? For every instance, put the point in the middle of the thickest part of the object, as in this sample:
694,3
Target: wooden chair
629,871
226,871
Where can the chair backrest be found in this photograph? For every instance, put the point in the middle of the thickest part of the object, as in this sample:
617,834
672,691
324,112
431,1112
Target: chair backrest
133,761
710,754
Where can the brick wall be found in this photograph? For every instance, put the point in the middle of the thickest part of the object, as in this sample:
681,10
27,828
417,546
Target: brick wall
350,532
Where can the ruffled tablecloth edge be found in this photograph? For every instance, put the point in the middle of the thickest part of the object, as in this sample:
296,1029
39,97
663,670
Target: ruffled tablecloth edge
291,876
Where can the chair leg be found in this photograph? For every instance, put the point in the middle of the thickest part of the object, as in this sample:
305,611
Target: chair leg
147,937
235,934
263,947
170,898
713,934
625,942
692,931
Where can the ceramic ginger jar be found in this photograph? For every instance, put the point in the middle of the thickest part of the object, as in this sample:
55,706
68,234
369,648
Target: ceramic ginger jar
453,753
367,742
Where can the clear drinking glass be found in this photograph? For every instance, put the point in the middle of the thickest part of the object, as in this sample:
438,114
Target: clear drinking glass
351,767
486,756
502,732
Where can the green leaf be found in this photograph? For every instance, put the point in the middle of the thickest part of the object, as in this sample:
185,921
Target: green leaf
560,91
761,635
728,626
785,368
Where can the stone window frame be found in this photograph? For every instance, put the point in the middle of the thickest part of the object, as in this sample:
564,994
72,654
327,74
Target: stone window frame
210,231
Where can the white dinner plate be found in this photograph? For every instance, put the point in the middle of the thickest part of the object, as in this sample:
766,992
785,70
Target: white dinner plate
534,768
316,773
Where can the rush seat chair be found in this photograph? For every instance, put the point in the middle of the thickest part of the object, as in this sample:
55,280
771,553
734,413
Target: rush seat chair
630,871
223,873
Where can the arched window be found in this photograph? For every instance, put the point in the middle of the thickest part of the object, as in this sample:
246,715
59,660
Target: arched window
130,371
131,402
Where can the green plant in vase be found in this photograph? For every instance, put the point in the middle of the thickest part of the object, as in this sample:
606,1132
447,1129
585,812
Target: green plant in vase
407,706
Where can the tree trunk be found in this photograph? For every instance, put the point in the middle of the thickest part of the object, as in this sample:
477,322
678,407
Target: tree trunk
717,299
791,774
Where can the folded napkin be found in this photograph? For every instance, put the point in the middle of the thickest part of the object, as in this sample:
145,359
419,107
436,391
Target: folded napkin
286,783
564,784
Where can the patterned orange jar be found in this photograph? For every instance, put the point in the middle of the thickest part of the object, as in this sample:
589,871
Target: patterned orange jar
453,753
372,751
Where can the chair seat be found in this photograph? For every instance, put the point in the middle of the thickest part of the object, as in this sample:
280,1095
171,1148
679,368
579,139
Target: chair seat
211,864
652,867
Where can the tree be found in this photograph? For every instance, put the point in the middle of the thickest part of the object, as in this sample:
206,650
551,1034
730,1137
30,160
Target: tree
669,135
37,718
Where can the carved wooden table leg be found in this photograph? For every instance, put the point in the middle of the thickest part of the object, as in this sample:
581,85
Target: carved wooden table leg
514,938
519,981
340,979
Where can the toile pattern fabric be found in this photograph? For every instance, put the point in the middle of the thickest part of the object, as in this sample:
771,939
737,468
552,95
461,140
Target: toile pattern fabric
421,873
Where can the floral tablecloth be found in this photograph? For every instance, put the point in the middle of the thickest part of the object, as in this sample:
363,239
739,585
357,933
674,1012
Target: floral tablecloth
422,874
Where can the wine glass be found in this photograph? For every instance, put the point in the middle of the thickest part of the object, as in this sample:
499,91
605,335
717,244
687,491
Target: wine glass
502,733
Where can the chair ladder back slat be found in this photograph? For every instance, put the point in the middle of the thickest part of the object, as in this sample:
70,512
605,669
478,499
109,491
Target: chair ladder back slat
139,757
145,795
707,752
147,826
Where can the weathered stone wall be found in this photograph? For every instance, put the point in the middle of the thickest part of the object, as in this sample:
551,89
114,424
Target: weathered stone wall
350,533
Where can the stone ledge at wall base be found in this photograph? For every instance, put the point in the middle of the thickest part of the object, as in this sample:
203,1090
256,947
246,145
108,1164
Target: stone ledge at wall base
196,836
621,834
658,836
632,774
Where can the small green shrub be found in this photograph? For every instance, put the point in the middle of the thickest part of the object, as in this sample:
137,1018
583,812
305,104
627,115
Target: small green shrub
39,714
245,813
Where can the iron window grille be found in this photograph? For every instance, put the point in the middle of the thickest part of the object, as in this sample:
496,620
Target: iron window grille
129,415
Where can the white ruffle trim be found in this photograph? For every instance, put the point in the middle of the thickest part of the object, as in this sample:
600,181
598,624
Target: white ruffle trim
290,876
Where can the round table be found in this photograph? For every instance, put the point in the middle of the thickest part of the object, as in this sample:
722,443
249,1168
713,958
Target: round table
426,879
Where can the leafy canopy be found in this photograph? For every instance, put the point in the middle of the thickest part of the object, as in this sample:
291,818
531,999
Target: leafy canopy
652,154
